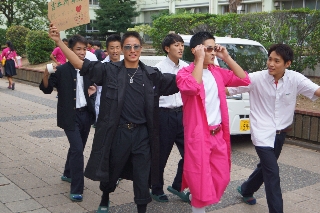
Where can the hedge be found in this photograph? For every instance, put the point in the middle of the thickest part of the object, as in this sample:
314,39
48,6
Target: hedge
300,28
39,47
17,35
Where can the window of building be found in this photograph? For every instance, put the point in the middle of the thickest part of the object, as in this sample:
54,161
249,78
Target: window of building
93,2
90,28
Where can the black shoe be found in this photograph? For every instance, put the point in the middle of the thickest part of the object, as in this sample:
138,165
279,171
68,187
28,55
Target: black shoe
12,87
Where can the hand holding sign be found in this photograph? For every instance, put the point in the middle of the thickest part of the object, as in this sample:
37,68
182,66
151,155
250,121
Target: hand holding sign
66,14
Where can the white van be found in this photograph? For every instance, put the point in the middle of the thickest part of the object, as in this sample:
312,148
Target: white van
250,55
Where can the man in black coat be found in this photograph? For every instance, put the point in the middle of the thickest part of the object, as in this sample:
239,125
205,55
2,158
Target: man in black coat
75,113
126,141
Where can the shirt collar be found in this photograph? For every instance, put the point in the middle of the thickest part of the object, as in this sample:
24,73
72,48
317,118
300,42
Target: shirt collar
171,63
284,77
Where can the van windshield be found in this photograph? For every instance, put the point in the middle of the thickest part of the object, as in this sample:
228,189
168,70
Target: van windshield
250,57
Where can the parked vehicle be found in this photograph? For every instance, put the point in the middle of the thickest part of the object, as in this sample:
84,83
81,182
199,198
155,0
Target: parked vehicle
250,55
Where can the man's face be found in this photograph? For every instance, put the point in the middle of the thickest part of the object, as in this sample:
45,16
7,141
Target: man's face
175,50
131,49
114,50
209,54
80,50
276,65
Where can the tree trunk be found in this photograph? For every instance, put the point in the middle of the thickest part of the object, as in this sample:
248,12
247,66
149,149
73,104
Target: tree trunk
233,5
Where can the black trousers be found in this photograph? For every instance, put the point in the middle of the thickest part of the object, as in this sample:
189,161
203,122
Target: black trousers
267,172
171,131
130,147
77,140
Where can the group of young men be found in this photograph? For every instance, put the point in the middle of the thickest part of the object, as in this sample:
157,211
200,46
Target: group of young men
142,114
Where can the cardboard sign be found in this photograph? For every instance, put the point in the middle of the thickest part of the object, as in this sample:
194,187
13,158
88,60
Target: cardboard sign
65,14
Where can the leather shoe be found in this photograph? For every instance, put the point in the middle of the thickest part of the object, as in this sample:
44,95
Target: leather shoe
183,195
103,209
76,197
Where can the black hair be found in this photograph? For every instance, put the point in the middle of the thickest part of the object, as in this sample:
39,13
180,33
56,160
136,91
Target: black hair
171,39
111,38
131,34
283,50
97,43
90,42
199,38
10,45
76,39
65,40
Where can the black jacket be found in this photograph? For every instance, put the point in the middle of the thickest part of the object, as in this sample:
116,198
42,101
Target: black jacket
65,80
113,78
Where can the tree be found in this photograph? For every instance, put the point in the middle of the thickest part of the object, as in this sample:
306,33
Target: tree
115,15
28,13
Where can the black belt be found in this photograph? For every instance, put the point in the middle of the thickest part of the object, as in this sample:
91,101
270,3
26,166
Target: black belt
129,125
288,129
82,109
177,109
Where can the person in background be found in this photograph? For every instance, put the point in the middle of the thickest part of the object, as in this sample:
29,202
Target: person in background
170,120
75,113
10,66
273,94
113,44
126,137
90,46
98,50
207,162
57,55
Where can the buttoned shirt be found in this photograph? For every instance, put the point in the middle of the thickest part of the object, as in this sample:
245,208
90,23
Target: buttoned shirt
168,66
272,105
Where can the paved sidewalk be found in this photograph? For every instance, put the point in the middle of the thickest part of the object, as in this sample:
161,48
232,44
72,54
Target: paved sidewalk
33,151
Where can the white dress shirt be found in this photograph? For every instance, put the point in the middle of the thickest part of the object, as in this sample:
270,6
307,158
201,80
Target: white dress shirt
168,66
212,100
80,97
272,106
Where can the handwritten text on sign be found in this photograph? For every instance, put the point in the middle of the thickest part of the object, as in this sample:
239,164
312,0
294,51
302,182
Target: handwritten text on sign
65,14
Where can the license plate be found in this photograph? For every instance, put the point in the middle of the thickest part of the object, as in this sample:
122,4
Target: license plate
244,125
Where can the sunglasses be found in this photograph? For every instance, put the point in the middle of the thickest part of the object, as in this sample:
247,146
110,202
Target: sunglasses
209,49
129,47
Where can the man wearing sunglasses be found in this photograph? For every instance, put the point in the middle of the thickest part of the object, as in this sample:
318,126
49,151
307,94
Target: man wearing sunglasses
126,143
207,160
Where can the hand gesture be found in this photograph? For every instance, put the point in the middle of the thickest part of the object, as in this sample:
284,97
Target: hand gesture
221,52
54,33
199,52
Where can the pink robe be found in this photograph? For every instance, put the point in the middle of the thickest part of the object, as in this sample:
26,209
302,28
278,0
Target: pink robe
206,172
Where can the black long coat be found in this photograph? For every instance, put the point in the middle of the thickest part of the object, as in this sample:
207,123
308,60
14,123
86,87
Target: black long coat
113,78
65,80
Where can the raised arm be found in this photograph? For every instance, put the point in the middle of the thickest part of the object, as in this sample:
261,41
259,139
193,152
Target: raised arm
224,55
54,34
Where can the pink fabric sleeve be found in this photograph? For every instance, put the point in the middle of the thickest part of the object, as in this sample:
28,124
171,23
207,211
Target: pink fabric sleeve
54,52
186,83
230,79
4,52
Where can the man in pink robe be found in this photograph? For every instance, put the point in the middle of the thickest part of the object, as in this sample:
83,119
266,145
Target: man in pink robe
202,85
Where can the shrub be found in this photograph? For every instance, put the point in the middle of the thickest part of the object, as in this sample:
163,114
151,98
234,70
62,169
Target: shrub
39,47
2,37
17,35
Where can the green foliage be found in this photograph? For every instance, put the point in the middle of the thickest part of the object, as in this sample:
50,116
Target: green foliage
115,15
29,13
81,30
17,35
299,28
144,28
39,47
2,36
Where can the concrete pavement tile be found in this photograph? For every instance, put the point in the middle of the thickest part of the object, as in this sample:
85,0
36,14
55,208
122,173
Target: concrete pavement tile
293,198
309,192
23,205
55,162
121,198
11,193
14,171
47,191
27,181
91,200
41,170
92,185
67,208
4,158
312,205
53,200
15,164
42,210
241,208
4,181
4,209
